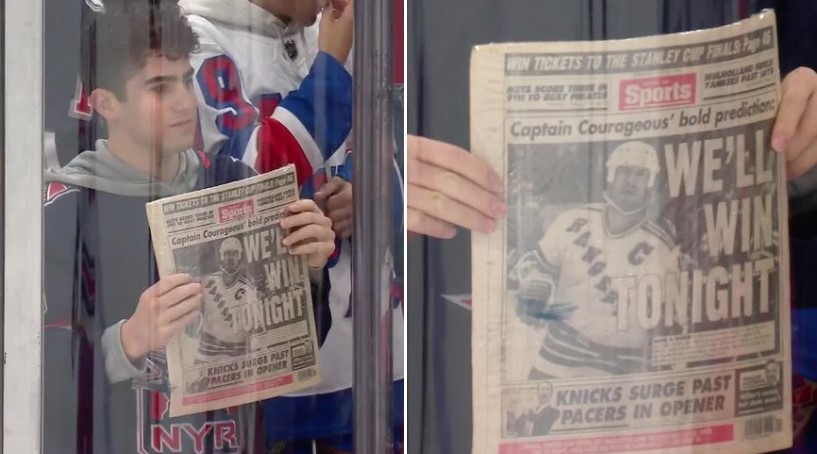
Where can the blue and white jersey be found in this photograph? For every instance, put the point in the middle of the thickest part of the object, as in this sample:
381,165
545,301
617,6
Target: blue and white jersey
590,266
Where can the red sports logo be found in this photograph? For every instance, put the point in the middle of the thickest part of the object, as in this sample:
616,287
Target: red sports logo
236,211
662,91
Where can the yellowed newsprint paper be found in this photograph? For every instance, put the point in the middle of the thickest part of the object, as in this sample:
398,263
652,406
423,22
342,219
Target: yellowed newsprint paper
636,297
255,335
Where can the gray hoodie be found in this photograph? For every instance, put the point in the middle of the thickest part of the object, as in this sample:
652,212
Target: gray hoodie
101,170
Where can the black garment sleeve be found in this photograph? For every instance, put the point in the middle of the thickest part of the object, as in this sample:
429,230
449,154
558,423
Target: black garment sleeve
63,419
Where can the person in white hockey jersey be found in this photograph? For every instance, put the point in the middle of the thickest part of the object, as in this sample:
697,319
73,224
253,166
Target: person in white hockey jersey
579,282
272,74
224,292
270,93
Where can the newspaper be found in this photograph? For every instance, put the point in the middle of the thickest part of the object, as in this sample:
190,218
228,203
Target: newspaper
636,297
255,335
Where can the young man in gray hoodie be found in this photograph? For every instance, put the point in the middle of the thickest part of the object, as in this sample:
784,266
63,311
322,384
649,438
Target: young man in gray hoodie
108,315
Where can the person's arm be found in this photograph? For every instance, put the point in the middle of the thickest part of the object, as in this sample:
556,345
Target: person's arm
163,311
335,199
118,366
309,233
538,270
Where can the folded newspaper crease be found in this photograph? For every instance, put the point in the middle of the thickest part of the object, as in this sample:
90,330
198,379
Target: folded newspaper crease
255,335
636,298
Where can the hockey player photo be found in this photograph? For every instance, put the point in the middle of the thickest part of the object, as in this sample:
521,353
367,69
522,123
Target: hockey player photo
569,281
224,290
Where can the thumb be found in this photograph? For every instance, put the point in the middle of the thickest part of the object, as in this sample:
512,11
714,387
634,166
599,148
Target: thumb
339,5
320,199
322,194
327,17
348,9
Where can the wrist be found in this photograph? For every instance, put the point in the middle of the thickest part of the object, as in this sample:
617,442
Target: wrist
336,54
316,267
316,276
317,262
130,343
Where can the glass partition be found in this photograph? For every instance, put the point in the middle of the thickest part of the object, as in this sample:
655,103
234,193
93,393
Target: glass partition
2,139
245,338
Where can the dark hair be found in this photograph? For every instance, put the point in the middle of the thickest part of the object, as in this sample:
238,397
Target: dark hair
118,40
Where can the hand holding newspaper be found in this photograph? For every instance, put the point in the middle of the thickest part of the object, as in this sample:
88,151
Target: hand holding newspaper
255,336
636,299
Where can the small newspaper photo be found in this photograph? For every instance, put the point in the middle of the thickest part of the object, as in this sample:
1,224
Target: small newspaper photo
636,298
254,337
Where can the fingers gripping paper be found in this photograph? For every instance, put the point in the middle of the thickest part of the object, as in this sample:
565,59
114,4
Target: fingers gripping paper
636,297
254,337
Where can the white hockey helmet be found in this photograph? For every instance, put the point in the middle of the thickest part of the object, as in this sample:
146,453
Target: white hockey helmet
96,5
230,244
633,154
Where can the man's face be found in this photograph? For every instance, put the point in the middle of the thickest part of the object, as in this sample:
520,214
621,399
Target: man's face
629,188
300,12
545,392
231,260
772,373
305,12
159,108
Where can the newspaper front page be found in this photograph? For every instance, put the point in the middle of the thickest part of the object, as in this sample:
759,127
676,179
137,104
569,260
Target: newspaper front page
255,335
636,297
